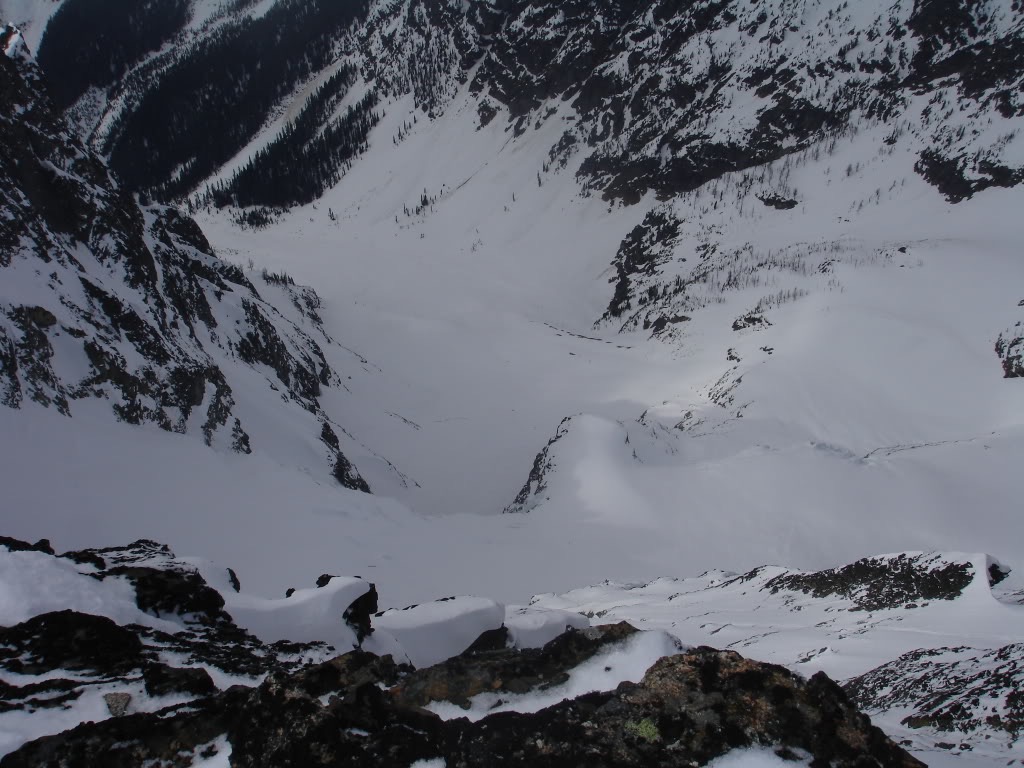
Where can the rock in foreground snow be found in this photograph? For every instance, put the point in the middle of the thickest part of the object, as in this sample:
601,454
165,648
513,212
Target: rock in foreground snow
353,710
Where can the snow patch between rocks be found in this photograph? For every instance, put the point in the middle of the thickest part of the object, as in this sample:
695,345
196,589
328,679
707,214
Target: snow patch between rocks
626,661
758,757
34,583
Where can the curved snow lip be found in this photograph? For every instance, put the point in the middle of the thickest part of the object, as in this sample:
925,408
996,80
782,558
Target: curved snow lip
627,661
35,583
535,628
310,615
433,632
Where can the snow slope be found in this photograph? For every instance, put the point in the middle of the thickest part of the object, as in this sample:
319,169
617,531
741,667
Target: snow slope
874,413
463,317
805,375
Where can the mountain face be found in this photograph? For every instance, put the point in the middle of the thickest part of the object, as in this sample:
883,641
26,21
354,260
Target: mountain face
108,303
657,100
647,99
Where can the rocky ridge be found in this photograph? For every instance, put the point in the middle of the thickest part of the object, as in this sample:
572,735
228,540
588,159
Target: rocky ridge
285,703
922,642
106,301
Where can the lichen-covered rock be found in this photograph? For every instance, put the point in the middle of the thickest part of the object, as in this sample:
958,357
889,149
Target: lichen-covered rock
362,710
497,670
688,710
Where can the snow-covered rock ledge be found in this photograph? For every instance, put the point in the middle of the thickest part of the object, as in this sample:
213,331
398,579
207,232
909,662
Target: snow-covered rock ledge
133,656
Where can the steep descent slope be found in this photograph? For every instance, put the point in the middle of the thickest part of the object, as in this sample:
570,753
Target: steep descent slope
816,371
784,349
804,345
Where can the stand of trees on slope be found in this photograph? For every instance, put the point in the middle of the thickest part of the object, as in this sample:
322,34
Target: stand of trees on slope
209,104
89,44
309,156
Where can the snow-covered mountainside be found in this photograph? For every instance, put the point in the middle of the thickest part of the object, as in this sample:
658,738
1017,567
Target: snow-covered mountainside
108,305
650,97
676,289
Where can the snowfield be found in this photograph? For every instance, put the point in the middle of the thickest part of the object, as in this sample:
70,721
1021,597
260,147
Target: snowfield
870,416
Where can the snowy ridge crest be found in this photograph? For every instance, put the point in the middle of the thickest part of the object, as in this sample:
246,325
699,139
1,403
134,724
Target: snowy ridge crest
144,665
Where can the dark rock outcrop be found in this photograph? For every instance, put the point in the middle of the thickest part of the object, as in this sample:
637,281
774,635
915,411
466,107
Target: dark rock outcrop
963,695
162,680
16,545
140,311
532,492
72,641
877,583
361,710
182,593
642,251
1010,349
499,670
59,656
